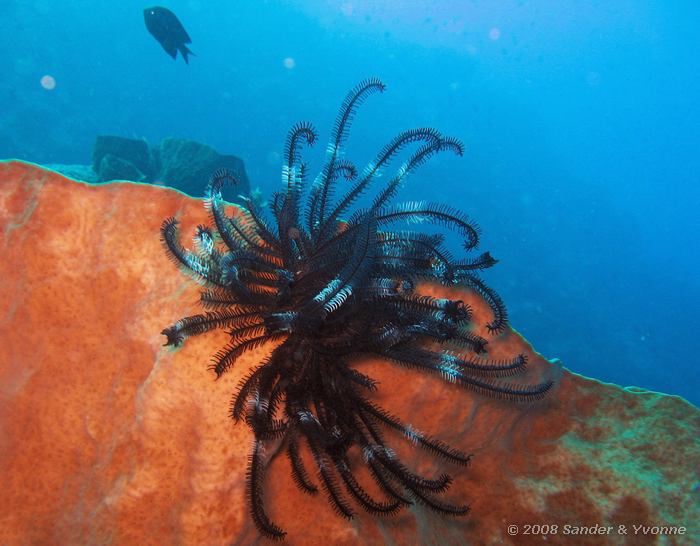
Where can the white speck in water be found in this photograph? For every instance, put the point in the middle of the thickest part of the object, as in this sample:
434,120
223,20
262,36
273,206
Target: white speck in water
48,82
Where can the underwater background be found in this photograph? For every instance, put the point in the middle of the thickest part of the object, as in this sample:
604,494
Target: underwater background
581,122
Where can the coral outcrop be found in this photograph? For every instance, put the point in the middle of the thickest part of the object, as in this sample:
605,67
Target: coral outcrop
133,155
175,162
185,163
108,437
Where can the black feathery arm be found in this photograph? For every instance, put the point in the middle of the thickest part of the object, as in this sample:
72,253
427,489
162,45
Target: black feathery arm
440,214
352,102
423,134
445,366
413,163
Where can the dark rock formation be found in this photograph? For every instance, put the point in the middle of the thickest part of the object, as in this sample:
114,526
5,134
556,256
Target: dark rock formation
176,162
112,167
118,158
185,164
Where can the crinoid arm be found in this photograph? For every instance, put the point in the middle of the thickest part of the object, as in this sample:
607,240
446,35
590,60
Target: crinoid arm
321,282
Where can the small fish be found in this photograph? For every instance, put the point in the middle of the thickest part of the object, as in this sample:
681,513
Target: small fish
165,27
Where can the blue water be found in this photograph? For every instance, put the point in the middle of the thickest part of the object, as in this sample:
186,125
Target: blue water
581,122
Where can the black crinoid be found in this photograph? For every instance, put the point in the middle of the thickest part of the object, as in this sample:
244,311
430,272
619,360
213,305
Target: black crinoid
326,291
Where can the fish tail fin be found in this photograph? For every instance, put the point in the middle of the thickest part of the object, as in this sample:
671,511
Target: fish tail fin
184,51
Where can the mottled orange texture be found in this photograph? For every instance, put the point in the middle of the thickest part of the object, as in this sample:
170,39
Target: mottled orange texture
106,437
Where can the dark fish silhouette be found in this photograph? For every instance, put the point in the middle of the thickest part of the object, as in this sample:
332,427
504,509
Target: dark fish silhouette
165,27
